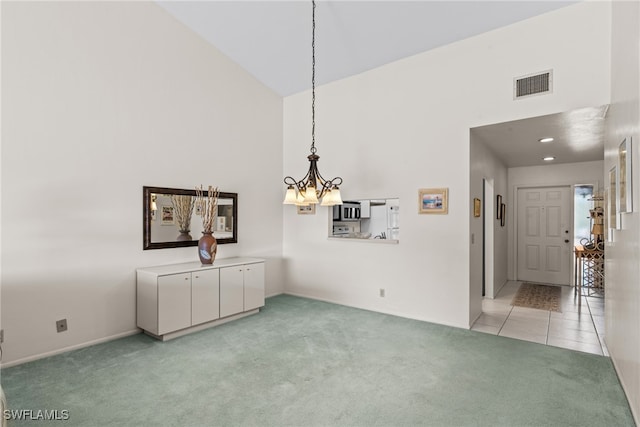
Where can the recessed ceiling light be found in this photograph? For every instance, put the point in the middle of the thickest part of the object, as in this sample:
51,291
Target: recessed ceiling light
548,139
548,158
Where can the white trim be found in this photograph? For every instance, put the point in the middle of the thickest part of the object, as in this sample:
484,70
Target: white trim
636,416
390,313
70,348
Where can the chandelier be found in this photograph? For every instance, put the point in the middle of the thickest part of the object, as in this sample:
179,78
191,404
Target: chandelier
313,187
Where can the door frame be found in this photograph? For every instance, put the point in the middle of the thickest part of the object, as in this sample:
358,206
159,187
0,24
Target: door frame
513,228
488,244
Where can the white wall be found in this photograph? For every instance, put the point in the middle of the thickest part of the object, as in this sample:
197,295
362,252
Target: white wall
541,176
622,256
404,126
486,165
99,99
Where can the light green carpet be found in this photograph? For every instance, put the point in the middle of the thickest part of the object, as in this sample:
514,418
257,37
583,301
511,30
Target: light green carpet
307,363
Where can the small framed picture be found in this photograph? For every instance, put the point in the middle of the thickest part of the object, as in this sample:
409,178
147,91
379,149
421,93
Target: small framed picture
477,204
498,206
307,210
433,201
613,200
503,214
167,215
625,194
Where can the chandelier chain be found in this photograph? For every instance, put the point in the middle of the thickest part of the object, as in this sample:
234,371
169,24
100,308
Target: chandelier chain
313,186
313,78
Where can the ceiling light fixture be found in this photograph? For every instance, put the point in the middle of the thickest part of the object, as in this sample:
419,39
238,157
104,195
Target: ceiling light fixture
548,158
313,187
548,139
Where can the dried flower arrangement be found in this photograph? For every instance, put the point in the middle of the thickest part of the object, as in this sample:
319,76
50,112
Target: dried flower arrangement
183,209
208,206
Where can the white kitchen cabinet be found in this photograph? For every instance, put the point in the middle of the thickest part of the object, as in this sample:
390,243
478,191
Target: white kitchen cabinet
174,301
180,298
231,290
241,288
205,296
253,286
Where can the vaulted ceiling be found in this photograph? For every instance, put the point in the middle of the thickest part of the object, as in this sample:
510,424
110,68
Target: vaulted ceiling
272,41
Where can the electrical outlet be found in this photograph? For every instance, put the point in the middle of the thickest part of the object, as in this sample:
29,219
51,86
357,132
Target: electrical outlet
381,293
61,325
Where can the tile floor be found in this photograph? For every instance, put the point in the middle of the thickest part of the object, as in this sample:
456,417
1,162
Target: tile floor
577,327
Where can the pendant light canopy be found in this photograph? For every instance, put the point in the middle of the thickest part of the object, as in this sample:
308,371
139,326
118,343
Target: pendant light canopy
313,188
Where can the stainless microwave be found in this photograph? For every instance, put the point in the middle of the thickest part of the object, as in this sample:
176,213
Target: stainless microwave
347,211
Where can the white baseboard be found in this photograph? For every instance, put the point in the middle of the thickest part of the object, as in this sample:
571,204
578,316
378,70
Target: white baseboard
634,414
391,313
274,294
70,348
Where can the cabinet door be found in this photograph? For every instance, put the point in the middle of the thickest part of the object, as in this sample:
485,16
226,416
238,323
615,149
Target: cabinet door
231,291
174,302
205,296
253,286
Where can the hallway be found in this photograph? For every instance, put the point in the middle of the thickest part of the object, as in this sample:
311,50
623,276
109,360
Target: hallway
577,327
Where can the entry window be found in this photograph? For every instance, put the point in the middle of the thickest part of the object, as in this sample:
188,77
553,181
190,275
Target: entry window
582,202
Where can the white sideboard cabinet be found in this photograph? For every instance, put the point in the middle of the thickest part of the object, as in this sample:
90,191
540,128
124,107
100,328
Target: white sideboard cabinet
180,298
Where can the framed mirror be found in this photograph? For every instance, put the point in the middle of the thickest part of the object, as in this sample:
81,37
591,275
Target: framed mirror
167,224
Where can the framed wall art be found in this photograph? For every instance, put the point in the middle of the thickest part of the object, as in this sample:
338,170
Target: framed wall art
477,206
167,215
433,200
625,194
613,199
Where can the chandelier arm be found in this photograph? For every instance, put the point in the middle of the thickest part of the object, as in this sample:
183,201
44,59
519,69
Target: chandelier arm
328,184
289,180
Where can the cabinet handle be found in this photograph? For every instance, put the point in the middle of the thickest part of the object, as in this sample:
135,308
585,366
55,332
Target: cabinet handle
197,277
186,278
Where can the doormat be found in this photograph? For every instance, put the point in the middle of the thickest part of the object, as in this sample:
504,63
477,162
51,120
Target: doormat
542,297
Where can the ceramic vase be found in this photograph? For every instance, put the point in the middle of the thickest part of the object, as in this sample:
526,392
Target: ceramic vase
184,236
207,247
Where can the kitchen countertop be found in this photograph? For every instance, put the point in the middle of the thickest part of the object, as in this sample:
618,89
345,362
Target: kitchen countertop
369,240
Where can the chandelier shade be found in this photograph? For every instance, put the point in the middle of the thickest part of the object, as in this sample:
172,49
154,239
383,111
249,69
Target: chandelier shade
313,188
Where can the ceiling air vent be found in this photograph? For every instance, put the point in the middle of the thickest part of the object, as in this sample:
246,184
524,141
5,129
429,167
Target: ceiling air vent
533,84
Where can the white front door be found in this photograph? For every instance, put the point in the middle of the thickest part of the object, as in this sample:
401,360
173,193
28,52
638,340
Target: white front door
544,235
